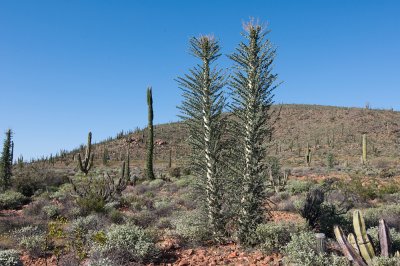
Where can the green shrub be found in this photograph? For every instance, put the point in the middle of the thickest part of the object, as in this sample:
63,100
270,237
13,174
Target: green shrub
91,203
127,243
301,251
394,235
295,186
10,257
184,181
385,261
11,200
51,211
391,213
273,236
35,245
191,227
156,183
102,262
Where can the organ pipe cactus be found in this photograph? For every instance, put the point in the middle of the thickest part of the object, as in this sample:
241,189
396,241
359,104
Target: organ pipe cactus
87,163
363,241
150,141
358,248
364,148
308,155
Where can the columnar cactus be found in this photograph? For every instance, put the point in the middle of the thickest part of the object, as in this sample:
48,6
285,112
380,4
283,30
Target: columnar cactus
87,163
308,155
150,140
364,148
363,241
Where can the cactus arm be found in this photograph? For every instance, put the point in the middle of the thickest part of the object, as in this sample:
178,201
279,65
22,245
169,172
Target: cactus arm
352,240
364,243
347,249
384,238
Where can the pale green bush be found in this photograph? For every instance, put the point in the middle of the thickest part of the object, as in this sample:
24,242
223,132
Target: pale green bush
10,257
273,236
11,200
51,211
301,251
35,245
126,243
297,186
394,235
191,227
385,261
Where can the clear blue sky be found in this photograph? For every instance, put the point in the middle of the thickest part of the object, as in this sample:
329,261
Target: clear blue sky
67,67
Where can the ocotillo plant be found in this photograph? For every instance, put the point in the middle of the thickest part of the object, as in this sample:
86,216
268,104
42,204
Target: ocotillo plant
202,111
252,85
6,160
87,163
150,140
364,148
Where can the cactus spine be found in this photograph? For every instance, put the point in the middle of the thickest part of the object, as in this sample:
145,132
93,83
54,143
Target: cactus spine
364,148
87,163
150,140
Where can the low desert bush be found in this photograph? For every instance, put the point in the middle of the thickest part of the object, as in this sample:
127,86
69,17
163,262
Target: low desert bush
31,239
191,227
385,261
10,257
273,236
394,236
301,251
295,186
12,200
126,244
391,214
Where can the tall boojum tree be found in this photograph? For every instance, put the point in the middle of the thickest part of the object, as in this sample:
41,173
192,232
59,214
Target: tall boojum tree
252,85
202,111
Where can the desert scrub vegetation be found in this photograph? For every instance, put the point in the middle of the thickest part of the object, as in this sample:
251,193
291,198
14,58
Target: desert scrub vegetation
230,172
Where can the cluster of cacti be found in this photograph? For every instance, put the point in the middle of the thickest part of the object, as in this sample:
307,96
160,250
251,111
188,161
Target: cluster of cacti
104,188
150,140
87,162
359,248
279,181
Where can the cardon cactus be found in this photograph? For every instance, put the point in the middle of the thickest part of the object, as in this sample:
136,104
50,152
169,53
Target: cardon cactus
87,163
363,241
358,248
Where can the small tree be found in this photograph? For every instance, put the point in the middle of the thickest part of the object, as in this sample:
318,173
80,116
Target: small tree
150,141
252,85
6,160
202,110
